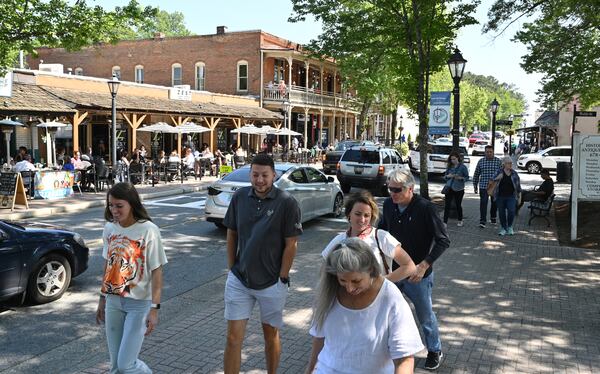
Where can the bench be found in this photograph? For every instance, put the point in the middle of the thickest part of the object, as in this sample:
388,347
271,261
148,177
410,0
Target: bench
540,208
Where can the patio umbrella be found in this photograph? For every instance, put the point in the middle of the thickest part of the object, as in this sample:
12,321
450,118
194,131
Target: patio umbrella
191,128
50,146
285,131
159,127
246,129
266,129
10,122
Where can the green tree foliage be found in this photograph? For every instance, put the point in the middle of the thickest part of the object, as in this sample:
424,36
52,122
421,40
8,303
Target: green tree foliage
28,24
563,43
389,48
170,24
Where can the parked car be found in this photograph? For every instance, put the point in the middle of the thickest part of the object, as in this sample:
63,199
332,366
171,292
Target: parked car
462,141
544,159
316,193
368,167
477,136
39,260
332,157
438,157
479,147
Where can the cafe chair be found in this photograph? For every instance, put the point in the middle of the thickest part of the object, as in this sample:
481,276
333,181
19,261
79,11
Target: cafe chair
136,173
29,182
77,180
103,176
172,171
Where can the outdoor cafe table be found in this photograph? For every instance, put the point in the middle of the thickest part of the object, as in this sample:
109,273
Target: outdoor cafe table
53,184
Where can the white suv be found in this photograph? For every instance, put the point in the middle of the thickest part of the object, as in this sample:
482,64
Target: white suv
437,161
544,159
368,167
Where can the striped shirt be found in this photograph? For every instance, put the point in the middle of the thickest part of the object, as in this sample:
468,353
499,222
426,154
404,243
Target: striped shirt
485,171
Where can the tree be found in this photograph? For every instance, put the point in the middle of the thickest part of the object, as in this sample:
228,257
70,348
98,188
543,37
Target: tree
562,42
170,24
28,24
410,39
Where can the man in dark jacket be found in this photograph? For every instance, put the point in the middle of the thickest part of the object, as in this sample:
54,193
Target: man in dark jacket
415,222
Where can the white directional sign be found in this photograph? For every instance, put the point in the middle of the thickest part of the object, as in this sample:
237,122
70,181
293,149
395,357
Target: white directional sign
589,167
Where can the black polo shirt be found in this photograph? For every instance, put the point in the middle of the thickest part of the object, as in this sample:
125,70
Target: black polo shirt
262,226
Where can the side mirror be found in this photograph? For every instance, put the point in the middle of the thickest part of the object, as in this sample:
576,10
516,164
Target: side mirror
330,180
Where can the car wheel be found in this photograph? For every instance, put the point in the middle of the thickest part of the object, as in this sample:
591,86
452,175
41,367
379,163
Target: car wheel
338,205
49,279
533,167
345,187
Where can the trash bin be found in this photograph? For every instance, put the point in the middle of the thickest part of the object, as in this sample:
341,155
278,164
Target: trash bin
563,172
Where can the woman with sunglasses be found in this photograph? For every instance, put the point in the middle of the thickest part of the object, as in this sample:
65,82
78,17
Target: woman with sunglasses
361,322
362,213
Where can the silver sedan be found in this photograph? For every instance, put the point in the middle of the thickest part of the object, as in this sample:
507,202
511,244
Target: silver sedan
316,193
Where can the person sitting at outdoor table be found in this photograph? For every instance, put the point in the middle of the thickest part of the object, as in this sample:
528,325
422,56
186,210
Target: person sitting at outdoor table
25,164
174,156
143,152
161,158
124,158
67,164
76,160
189,161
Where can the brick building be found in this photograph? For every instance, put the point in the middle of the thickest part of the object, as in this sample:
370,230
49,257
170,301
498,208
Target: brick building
248,63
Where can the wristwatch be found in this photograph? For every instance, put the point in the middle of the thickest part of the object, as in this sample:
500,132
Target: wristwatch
155,306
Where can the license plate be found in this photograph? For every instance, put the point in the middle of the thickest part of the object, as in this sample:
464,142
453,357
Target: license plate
358,169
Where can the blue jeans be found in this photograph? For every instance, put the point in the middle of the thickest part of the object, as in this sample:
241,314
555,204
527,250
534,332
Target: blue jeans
420,296
506,204
125,327
483,201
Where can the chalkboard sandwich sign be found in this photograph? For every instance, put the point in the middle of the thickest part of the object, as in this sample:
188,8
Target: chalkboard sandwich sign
12,191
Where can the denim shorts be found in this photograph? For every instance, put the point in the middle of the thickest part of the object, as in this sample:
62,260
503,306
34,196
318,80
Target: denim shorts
240,300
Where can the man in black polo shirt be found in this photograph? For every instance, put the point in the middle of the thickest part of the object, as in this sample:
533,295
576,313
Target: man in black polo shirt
263,224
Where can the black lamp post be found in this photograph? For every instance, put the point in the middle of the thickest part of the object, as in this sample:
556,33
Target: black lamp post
494,108
400,128
456,64
113,86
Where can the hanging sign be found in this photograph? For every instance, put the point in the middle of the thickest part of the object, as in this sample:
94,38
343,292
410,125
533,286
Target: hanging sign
439,113
180,92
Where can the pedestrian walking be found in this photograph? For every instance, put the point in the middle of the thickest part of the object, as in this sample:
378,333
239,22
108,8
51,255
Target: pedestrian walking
361,323
506,194
362,213
263,224
456,175
133,276
484,172
415,222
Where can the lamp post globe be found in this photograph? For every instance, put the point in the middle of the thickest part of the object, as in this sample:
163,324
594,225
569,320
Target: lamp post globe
113,86
494,109
456,64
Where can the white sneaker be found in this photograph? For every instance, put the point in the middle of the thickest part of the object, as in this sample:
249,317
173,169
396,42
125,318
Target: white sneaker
459,223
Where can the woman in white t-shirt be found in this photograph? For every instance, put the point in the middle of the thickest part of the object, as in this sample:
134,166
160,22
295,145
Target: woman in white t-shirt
362,214
361,323
132,282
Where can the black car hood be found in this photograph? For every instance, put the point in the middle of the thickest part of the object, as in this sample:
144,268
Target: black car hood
41,228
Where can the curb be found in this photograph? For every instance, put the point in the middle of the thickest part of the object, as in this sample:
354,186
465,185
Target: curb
77,207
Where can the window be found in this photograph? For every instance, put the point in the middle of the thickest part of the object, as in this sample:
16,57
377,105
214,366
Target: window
176,75
365,157
297,176
242,76
78,71
278,70
387,159
314,176
116,72
139,74
200,75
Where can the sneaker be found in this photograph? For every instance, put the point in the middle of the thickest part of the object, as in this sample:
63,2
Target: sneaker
459,223
510,231
482,225
502,232
493,221
434,360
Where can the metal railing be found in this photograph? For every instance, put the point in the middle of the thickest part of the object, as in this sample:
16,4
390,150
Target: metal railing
299,94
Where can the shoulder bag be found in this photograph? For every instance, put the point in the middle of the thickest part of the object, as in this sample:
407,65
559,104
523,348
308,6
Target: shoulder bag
385,264
491,187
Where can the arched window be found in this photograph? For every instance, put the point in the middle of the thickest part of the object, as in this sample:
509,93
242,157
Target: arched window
176,74
200,76
116,72
78,71
139,74
242,75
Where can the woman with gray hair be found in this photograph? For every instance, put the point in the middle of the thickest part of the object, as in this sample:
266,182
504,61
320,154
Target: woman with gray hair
361,322
506,194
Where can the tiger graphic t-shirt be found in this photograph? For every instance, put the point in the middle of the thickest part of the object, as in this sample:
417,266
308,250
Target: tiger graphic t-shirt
131,254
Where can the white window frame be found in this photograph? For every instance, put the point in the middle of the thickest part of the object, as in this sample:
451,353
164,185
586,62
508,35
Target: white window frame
240,63
116,71
137,69
79,71
173,67
198,86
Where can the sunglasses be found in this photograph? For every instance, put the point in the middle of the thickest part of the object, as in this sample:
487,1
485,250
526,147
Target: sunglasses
396,189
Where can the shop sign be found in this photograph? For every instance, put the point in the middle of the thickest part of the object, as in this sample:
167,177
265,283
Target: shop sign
182,92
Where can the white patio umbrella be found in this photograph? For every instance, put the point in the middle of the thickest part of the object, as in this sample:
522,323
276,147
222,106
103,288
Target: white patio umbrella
50,142
266,129
191,128
10,122
246,129
159,127
285,131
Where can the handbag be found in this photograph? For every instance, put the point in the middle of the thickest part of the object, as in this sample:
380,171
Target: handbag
445,190
385,264
491,187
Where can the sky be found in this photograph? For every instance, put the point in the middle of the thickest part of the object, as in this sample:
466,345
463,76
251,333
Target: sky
499,58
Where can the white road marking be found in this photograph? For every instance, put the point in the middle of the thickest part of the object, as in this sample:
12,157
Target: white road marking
199,204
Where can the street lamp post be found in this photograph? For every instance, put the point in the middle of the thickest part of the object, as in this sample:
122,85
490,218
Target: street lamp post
494,108
113,86
286,107
400,128
456,64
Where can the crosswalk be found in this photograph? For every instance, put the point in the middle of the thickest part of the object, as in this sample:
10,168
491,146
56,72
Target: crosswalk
179,202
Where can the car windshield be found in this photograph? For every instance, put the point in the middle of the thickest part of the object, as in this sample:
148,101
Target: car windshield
344,145
243,174
362,156
446,149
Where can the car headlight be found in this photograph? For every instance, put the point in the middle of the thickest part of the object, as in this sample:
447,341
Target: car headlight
79,239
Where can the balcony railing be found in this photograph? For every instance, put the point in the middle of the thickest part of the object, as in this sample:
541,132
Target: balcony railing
302,95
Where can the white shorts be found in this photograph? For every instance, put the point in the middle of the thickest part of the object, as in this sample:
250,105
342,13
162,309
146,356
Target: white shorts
240,300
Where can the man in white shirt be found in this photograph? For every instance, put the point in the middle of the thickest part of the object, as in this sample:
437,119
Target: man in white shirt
25,165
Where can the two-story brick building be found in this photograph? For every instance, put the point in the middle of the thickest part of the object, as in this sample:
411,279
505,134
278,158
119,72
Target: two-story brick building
249,63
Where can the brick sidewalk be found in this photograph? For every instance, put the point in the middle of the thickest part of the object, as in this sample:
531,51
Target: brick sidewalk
520,304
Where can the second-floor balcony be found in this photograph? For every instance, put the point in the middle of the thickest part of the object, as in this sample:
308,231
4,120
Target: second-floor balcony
299,95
